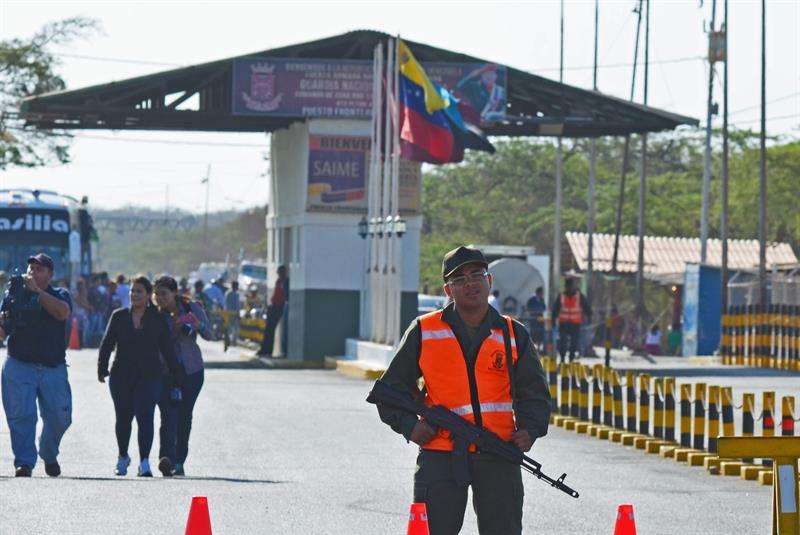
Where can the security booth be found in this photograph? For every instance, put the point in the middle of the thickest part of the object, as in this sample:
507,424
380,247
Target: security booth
315,99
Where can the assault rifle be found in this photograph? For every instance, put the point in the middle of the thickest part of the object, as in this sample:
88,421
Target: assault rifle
463,432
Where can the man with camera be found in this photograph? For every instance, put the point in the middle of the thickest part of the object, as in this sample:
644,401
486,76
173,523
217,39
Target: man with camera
35,319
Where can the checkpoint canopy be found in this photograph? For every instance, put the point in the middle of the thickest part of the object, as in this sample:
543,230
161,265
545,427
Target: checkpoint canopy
315,99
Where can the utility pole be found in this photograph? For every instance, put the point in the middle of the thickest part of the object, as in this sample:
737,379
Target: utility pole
559,163
762,175
707,156
640,308
592,172
626,148
723,227
207,182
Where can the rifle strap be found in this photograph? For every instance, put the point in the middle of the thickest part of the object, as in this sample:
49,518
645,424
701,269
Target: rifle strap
509,358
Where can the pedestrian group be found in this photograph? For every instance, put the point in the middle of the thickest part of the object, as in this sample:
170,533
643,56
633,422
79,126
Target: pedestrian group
157,362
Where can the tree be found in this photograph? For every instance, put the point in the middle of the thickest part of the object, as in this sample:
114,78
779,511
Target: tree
28,67
507,198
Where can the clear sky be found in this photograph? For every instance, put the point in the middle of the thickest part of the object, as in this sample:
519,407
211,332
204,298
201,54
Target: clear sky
154,168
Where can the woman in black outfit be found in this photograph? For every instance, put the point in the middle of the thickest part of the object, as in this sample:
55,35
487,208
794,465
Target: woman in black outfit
139,334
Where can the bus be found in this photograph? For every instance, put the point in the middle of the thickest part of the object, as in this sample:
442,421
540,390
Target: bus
34,221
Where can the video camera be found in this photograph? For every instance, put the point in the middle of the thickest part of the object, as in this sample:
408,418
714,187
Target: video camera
22,305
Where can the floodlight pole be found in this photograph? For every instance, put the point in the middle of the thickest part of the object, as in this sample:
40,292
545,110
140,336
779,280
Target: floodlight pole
762,175
707,155
592,175
723,227
640,307
559,170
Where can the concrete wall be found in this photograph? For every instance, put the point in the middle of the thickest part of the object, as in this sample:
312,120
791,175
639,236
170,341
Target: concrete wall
323,251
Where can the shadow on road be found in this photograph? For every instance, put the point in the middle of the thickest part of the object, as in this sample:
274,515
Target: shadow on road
146,479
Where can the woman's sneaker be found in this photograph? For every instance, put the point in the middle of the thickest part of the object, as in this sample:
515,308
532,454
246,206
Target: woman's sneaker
144,469
122,466
165,467
178,470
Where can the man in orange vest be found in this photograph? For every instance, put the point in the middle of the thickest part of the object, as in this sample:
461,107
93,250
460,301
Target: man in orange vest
482,366
570,309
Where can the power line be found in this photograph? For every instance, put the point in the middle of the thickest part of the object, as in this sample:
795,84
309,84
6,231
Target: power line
779,99
117,60
774,118
168,141
553,69
619,65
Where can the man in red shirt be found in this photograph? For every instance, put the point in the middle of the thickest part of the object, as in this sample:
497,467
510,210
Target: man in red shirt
280,295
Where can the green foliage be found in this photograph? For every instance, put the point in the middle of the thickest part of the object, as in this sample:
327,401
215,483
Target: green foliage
27,67
508,198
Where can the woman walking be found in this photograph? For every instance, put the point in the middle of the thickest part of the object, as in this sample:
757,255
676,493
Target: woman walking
139,333
187,319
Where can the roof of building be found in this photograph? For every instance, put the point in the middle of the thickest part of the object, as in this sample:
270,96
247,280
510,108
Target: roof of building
665,258
537,106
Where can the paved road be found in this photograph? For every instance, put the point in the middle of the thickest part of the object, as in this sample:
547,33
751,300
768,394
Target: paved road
300,452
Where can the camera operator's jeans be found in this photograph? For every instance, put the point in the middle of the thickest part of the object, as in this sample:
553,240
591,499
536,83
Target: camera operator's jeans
23,384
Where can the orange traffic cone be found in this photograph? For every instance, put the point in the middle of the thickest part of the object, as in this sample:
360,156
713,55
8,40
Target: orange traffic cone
74,339
199,522
625,525
418,520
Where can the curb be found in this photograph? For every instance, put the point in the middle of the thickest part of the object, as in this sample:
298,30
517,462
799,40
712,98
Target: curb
359,369
291,364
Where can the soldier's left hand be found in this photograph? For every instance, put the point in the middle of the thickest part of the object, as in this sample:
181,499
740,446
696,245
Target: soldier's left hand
522,440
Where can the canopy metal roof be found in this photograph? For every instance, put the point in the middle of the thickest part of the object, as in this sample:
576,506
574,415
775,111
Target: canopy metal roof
665,258
537,106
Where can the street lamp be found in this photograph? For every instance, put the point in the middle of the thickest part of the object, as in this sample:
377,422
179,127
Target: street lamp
363,227
399,226
378,226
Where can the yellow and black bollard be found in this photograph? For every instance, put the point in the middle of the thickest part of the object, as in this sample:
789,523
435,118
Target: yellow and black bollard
748,420
738,329
619,421
552,380
686,416
607,397
597,372
713,418
751,335
574,390
669,409
658,407
787,416
727,411
564,399
644,404
767,418
698,437
794,334
725,340
630,400
786,339
607,341
584,392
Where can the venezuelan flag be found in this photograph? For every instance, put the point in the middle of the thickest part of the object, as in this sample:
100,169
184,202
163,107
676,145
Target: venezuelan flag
431,128
425,132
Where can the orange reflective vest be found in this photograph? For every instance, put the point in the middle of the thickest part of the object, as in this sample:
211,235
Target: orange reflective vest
571,311
444,369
